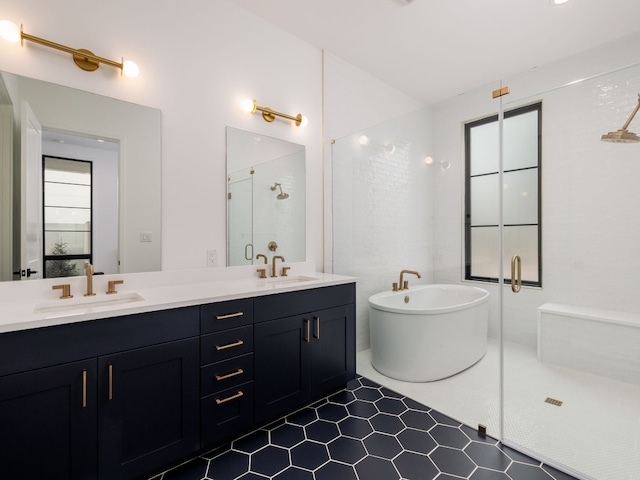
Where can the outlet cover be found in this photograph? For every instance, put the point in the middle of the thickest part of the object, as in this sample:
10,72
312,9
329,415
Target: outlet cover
146,237
212,258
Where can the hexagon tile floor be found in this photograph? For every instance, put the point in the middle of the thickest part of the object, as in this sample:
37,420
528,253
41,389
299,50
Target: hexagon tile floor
365,432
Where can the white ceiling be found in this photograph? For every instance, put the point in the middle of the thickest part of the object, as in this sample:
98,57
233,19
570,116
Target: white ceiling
434,50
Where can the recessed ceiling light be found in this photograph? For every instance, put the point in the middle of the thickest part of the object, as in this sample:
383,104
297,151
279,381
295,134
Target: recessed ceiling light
558,2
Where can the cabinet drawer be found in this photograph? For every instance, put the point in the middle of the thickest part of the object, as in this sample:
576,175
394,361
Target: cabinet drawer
288,304
226,413
216,347
221,316
226,374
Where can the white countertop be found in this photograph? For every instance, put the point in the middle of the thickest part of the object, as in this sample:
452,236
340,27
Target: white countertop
146,293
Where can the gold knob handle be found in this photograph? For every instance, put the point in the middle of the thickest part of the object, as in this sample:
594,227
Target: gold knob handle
111,286
284,271
66,290
262,273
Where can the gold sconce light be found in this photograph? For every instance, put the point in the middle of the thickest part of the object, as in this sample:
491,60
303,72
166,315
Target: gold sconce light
623,135
251,106
84,59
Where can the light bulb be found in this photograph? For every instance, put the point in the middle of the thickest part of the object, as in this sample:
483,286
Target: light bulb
9,31
363,140
428,160
248,105
130,69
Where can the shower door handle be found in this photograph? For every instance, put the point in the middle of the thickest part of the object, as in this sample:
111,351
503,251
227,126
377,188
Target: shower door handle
516,271
246,251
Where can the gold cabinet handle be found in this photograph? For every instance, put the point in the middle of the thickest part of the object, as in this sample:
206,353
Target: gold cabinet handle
110,382
228,399
84,389
229,345
229,315
307,329
516,265
229,375
317,332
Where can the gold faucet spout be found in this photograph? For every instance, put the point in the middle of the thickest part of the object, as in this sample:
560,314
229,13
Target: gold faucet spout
88,271
262,255
403,285
273,264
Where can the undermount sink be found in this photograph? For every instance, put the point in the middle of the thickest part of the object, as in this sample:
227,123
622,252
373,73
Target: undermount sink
289,280
84,304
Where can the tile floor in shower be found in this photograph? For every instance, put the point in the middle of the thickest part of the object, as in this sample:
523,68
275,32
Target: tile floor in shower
596,431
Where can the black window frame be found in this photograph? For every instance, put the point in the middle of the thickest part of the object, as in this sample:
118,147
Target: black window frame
467,202
80,256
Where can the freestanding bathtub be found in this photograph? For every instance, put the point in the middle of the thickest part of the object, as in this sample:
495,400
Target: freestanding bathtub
428,332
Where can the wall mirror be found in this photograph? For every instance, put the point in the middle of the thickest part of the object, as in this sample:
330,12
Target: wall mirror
109,213
266,199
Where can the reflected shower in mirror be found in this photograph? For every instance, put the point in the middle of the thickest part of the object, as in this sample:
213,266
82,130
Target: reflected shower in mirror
265,198
120,227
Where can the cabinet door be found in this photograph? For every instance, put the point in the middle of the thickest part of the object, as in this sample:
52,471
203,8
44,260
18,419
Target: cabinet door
282,360
333,361
149,408
48,423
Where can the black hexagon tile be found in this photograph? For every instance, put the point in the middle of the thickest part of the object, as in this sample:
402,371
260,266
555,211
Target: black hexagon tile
364,432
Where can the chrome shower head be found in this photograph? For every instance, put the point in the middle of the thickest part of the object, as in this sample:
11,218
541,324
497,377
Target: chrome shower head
623,135
281,195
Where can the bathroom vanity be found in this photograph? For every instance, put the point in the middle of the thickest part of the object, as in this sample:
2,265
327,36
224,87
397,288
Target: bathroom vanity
124,394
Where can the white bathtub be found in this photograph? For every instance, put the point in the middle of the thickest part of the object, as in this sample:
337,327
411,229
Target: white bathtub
428,332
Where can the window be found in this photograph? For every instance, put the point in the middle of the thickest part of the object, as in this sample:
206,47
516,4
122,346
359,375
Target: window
67,216
521,195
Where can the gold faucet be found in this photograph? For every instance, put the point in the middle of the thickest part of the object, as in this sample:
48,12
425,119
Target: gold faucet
273,264
404,284
263,256
88,271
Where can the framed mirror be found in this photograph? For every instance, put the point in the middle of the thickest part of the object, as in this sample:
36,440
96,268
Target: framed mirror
266,198
47,128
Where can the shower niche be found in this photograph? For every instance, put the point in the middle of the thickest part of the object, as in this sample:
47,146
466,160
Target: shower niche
266,198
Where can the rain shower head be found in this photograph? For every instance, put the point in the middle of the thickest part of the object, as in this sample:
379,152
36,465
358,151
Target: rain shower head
623,135
281,195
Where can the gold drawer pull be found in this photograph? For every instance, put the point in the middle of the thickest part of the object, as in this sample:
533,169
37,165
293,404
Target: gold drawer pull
229,345
228,399
229,375
110,382
84,389
229,315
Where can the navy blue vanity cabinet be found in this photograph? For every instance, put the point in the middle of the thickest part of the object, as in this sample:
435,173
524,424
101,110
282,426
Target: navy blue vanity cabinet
226,372
48,423
148,404
109,399
304,347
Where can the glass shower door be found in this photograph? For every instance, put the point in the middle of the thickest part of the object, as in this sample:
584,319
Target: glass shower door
571,344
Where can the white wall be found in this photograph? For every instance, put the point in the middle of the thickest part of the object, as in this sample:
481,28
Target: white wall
197,60
356,103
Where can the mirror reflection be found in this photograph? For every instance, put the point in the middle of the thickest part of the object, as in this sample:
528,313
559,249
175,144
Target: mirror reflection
80,181
266,199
